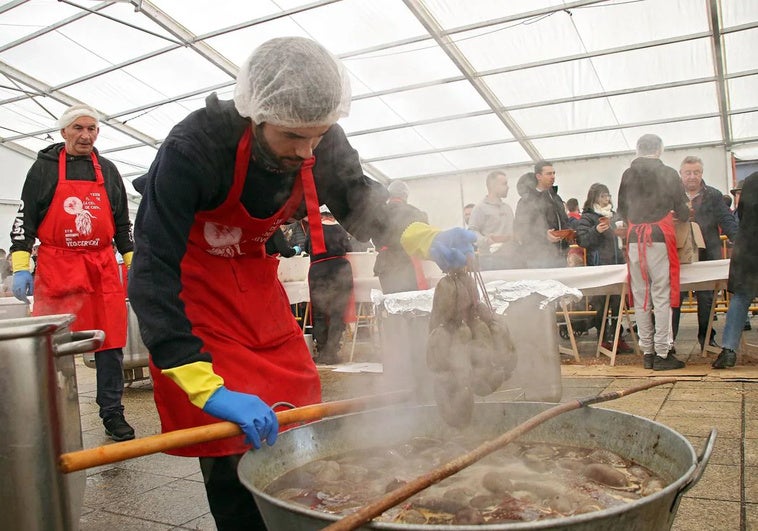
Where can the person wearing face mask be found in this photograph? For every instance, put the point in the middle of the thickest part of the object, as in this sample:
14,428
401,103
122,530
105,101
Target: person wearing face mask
223,342
75,203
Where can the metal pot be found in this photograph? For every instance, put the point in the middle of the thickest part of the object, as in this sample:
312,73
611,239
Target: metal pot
40,420
646,442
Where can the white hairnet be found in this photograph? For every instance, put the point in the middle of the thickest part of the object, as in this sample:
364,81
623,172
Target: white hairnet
292,82
76,111
398,189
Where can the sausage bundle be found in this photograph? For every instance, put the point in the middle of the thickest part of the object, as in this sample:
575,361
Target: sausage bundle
469,349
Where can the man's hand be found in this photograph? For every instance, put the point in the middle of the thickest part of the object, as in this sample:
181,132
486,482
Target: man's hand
23,285
257,420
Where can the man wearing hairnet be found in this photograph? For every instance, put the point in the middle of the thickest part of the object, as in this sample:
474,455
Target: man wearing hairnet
74,202
216,320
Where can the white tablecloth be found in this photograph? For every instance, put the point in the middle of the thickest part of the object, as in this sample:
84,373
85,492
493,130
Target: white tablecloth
596,280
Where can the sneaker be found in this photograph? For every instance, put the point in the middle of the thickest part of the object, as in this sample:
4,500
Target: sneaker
726,359
747,326
647,361
666,364
117,428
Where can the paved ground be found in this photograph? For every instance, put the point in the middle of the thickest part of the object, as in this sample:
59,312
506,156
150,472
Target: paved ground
161,492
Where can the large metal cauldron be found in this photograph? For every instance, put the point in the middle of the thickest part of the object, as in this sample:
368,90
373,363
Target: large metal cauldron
39,420
648,443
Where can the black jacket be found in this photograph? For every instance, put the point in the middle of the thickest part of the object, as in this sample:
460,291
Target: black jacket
602,249
743,268
39,187
278,244
192,172
536,212
711,213
649,190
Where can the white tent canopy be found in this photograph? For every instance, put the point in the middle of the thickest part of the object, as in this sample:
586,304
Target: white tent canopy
440,87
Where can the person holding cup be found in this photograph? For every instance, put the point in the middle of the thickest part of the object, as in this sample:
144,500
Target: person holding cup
596,231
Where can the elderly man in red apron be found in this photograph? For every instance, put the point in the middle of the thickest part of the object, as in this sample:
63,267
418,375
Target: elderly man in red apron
650,196
74,202
217,322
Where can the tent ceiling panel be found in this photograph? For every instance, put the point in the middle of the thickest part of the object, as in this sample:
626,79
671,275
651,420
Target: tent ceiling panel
488,156
742,91
583,144
456,13
472,130
736,13
520,42
570,78
679,134
745,125
545,83
415,166
659,64
627,23
741,49
571,116
401,66
32,16
665,103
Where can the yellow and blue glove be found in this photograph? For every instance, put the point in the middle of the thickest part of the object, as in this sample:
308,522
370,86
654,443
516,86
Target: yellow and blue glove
206,390
448,248
23,282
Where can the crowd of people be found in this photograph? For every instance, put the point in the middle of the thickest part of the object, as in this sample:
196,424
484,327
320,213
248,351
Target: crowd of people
664,217
203,260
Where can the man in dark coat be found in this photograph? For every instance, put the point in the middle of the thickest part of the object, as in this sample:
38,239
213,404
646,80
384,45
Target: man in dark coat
743,280
711,213
539,212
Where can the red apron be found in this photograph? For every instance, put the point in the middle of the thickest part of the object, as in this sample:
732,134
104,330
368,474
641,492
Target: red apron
76,266
644,233
239,309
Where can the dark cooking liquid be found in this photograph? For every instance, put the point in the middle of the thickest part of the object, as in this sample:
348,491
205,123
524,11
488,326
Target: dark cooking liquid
522,482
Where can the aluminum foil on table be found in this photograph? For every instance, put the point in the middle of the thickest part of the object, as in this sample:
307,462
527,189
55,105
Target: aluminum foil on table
501,293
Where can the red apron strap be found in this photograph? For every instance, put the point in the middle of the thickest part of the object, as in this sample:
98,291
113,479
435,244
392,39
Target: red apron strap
99,179
418,269
312,206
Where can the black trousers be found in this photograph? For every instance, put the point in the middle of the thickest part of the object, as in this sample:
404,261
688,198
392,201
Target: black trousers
704,301
232,505
109,372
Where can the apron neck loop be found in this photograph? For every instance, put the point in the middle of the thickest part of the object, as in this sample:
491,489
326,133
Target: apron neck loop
95,163
312,206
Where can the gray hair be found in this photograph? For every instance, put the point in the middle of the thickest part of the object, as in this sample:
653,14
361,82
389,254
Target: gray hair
649,144
691,159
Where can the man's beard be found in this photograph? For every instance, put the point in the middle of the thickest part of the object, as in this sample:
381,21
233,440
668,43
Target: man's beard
263,155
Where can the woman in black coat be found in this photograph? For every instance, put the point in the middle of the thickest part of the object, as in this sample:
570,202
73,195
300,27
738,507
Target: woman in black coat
595,231
743,279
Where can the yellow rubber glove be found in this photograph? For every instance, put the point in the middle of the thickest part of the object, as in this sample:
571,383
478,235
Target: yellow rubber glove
417,238
197,380
128,259
20,260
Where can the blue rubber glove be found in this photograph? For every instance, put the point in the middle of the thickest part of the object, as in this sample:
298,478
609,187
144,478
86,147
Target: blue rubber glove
253,415
297,249
23,285
450,247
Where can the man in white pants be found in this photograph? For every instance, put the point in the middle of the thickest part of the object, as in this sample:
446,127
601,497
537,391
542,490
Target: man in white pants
651,196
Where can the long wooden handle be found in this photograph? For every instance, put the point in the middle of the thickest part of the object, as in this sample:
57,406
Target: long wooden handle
103,455
389,500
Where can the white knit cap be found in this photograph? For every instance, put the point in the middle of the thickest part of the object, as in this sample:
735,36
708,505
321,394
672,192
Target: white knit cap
292,82
74,112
